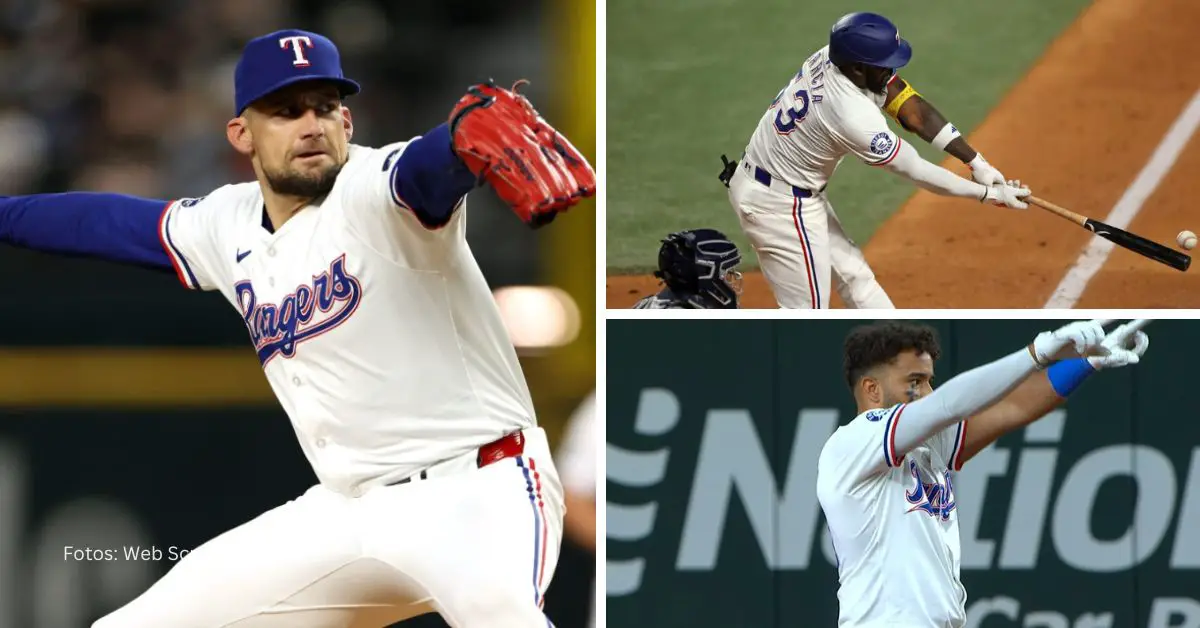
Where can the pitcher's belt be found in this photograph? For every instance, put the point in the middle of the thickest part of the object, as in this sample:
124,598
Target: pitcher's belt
508,446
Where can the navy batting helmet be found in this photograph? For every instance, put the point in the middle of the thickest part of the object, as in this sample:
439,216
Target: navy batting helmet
868,38
698,265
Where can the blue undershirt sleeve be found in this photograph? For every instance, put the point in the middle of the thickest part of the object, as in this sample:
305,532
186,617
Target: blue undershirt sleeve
114,227
429,179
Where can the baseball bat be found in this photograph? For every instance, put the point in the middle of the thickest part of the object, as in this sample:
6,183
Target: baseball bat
1138,324
1119,237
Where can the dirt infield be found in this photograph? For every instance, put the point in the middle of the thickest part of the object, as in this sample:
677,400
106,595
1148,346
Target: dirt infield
1077,129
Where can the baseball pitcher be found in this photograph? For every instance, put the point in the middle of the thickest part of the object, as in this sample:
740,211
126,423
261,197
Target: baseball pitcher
699,270
834,106
885,480
380,337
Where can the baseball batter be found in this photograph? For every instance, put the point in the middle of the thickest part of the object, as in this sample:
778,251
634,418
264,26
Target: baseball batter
885,480
832,107
381,340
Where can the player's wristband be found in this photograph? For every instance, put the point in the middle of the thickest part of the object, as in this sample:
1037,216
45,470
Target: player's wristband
945,136
1067,375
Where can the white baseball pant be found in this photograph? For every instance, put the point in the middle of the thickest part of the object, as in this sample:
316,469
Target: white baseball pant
477,545
801,244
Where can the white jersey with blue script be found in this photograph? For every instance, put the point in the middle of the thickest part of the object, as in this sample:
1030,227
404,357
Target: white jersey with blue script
894,523
378,334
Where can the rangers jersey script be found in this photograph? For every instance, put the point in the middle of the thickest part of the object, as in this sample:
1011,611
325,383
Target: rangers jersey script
815,121
378,334
893,523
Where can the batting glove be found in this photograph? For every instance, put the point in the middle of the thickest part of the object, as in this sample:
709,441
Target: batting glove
1081,338
984,172
1125,346
1007,195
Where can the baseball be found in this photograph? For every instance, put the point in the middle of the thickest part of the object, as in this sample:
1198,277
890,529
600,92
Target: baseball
1186,239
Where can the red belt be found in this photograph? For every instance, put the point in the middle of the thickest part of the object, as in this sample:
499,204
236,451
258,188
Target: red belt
508,446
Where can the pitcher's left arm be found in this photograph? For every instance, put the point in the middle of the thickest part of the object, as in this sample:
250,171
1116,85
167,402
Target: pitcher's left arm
917,115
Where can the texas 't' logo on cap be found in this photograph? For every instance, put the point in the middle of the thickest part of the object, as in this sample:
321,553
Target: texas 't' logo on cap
297,44
283,58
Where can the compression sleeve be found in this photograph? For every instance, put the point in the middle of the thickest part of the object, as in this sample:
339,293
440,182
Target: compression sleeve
962,396
113,227
430,179
909,163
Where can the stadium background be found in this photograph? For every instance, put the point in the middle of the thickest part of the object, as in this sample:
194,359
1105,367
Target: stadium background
712,517
1072,97
135,411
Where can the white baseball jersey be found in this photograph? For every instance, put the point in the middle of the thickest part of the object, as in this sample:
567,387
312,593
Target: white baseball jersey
894,524
379,336
815,121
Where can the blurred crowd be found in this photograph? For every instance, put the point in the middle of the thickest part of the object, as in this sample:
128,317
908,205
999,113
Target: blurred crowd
132,96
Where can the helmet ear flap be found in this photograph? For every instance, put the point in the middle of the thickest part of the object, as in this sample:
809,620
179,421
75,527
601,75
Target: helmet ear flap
676,258
694,264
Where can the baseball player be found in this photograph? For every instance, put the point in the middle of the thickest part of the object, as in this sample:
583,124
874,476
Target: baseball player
699,268
380,337
832,107
885,480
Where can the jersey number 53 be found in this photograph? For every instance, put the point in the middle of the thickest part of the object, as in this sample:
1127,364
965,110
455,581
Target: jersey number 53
786,118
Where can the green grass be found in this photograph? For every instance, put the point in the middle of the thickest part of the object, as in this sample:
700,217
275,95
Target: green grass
688,80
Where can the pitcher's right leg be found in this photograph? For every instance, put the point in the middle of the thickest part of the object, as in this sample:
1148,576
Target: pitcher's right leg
300,564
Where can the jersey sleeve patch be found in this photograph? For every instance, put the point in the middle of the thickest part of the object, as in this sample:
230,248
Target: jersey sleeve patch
889,437
885,145
876,415
182,269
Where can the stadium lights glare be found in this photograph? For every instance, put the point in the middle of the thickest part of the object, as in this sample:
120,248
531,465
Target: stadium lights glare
538,317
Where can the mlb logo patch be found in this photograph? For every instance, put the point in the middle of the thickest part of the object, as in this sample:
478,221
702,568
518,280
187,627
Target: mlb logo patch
875,415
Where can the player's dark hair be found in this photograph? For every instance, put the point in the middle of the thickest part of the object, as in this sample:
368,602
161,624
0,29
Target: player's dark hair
868,346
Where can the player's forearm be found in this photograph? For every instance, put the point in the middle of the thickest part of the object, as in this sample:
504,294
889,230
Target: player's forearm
933,177
430,178
1028,402
921,117
962,396
114,227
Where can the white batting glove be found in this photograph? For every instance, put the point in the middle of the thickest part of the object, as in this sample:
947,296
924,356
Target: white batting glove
1081,338
1007,195
984,172
1125,346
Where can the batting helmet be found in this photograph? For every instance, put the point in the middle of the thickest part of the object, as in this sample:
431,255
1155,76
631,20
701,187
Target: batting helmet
698,265
868,38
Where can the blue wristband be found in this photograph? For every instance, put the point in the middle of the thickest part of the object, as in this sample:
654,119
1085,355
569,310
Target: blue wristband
1067,375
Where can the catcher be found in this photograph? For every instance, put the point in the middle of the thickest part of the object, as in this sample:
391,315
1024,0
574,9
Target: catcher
699,268
379,335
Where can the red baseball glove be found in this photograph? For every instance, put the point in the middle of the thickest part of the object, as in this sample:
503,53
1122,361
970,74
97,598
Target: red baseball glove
503,140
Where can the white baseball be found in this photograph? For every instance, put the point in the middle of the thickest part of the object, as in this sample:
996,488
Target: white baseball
1186,239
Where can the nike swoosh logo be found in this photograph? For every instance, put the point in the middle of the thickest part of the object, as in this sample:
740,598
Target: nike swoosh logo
241,256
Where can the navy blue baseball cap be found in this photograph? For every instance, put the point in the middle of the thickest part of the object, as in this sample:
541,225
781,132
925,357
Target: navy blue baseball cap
285,57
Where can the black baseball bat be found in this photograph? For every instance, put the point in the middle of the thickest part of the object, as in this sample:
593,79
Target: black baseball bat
1120,237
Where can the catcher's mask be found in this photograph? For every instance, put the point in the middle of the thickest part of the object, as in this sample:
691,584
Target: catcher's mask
699,266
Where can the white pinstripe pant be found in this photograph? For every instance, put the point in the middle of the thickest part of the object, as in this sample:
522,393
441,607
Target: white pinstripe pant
801,246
